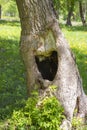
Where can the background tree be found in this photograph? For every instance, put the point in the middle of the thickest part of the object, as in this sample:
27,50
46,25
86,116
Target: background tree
82,12
60,7
48,58
70,9
0,12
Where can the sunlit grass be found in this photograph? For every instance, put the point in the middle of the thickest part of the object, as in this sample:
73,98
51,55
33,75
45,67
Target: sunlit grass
12,73
77,38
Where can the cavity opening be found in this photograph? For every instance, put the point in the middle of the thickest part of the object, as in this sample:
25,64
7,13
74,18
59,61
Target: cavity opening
47,65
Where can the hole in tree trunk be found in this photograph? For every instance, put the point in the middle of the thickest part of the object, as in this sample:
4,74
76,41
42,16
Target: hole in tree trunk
47,65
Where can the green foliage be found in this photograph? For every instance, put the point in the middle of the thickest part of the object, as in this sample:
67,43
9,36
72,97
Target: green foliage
60,7
63,7
53,87
48,115
12,77
19,120
9,8
76,122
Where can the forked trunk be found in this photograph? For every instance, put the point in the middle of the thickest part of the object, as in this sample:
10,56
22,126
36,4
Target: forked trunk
47,56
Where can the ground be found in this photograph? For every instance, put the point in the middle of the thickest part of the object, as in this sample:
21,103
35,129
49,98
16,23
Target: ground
12,73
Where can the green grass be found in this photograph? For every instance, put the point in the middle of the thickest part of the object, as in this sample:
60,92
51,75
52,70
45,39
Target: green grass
12,73
77,38
12,78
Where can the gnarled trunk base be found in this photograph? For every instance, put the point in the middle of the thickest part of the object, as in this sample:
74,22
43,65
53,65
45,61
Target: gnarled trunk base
48,58
55,66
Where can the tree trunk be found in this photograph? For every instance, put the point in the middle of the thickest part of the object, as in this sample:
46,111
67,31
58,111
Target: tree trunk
70,8
0,11
81,13
47,56
68,22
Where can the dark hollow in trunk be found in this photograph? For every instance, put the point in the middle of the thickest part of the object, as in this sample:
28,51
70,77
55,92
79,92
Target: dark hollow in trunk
47,65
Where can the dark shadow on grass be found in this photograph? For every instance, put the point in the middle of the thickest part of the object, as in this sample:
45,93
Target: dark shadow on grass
12,79
11,23
74,28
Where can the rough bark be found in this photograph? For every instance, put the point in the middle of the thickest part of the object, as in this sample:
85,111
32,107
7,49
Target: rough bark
81,13
47,56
